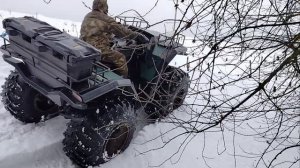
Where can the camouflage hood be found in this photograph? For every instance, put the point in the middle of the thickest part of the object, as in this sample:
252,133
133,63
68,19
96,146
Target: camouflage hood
100,5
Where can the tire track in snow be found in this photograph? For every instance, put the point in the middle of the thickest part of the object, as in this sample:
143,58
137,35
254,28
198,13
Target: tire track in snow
32,145
47,156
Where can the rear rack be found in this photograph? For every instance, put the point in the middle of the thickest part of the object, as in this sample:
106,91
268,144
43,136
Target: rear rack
101,82
99,73
59,66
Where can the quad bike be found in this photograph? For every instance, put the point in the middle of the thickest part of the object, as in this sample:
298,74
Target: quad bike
57,74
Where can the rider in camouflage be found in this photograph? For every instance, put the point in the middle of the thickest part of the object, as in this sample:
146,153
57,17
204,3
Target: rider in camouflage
98,29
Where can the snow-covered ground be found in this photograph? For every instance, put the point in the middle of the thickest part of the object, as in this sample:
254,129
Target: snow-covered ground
39,145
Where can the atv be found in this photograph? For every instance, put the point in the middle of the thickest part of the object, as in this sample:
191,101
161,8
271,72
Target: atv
58,74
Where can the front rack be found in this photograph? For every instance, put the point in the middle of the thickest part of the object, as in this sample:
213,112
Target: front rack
174,41
132,21
163,39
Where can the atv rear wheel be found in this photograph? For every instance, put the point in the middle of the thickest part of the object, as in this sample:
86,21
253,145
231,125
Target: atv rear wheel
95,140
24,102
169,93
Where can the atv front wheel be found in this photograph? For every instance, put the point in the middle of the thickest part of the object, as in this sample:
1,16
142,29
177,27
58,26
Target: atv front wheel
96,140
25,103
170,93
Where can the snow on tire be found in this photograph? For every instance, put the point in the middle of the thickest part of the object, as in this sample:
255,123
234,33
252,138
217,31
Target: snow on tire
25,103
95,140
170,93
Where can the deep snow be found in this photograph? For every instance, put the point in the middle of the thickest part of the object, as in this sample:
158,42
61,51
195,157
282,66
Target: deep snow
39,145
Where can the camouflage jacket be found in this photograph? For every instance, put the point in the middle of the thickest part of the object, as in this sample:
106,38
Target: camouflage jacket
98,29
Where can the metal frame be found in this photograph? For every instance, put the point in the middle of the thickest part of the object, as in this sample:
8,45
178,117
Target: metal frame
132,21
174,41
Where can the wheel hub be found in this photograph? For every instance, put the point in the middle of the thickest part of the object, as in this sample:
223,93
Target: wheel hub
42,103
117,140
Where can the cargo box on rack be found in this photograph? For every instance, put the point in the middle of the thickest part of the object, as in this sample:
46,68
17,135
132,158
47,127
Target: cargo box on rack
50,50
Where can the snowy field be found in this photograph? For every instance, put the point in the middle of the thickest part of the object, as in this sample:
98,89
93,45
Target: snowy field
39,145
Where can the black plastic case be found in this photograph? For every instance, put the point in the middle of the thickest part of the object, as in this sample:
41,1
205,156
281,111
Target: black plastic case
54,53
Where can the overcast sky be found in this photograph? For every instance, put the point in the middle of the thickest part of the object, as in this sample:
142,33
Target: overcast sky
75,10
